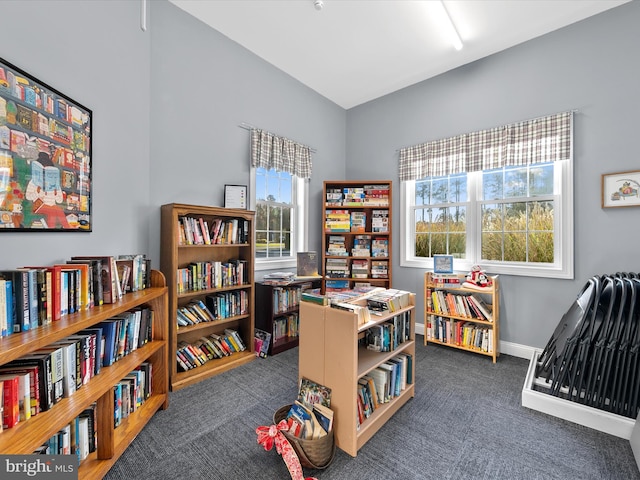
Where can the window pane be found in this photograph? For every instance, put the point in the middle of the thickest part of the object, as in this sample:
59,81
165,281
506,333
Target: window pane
515,247
492,217
515,217
458,188
540,216
541,247
541,179
438,244
423,191
492,246
275,214
458,245
273,188
261,184
515,182
422,245
439,191
492,185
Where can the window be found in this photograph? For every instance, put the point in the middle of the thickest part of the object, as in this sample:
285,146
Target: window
281,204
514,219
280,169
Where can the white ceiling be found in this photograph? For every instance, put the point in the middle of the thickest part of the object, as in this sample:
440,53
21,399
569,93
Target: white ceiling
353,51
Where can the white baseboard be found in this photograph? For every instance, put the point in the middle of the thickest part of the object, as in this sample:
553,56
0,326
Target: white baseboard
574,412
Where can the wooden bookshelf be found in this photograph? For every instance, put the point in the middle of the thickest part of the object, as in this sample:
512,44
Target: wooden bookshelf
363,219
278,302
177,255
26,436
330,354
435,317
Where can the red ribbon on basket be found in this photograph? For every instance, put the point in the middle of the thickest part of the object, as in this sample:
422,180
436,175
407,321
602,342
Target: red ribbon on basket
272,435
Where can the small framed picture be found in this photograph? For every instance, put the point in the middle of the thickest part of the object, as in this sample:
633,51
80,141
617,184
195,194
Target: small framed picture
621,189
235,196
443,263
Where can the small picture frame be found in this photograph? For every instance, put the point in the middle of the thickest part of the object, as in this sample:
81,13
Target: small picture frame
443,263
621,189
235,196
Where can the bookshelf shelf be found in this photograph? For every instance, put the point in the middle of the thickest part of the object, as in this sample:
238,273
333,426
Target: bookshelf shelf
267,296
445,326
26,436
330,354
357,216
176,255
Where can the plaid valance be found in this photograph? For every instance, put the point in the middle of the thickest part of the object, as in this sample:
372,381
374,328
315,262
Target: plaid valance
546,139
278,153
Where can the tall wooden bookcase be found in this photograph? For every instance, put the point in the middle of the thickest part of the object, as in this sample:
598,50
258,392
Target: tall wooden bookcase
26,436
281,303
456,325
176,255
356,243
330,354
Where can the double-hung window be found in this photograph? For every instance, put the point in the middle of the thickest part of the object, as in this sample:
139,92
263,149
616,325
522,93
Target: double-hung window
280,169
501,198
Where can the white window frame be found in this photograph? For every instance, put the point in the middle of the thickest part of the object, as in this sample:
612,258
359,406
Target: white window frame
563,267
299,224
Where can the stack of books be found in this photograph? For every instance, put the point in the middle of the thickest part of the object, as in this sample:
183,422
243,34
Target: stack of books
337,221
380,221
361,246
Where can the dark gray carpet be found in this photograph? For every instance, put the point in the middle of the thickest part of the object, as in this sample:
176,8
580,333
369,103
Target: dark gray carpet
465,422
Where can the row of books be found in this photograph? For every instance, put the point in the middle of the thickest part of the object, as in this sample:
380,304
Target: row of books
448,280
461,333
390,300
389,335
383,384
214,307
207,348
286,326
287,298
356,268
197,231
462,305
35,296
40,380
341,220
368,195
80,437
209,275
77,438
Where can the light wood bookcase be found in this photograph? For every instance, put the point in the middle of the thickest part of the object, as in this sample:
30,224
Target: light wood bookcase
26,436
329,355
366,208
173,256
489,295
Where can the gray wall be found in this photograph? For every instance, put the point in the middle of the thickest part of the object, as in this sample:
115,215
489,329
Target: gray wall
95,53
203,87
167,104
593,67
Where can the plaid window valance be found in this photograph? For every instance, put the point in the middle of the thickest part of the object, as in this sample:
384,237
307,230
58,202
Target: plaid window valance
540,140
278,153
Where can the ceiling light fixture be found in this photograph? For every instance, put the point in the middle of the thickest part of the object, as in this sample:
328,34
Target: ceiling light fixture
452,32
318,4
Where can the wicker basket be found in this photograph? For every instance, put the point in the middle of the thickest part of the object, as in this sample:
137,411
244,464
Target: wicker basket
317,453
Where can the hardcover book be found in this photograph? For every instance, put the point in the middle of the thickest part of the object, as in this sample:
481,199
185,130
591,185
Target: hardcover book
307,265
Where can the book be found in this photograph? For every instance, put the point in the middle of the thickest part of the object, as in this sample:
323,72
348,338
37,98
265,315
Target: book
108,276
262,340
307,264
324,415
10,400
310,393
22,306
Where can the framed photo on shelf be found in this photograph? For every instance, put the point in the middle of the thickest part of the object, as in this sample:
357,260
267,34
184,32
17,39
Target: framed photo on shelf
443,263
45,157
621,189
235,196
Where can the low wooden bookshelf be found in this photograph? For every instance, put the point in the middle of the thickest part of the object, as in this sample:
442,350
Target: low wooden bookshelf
446,326
26,436
330,354
176,255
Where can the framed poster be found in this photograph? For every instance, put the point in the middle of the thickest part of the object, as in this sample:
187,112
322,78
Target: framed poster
235,196
45,156
621,189
443,263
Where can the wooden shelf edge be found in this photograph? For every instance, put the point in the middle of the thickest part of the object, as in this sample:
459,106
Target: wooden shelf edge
460,347
204,325
210,369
